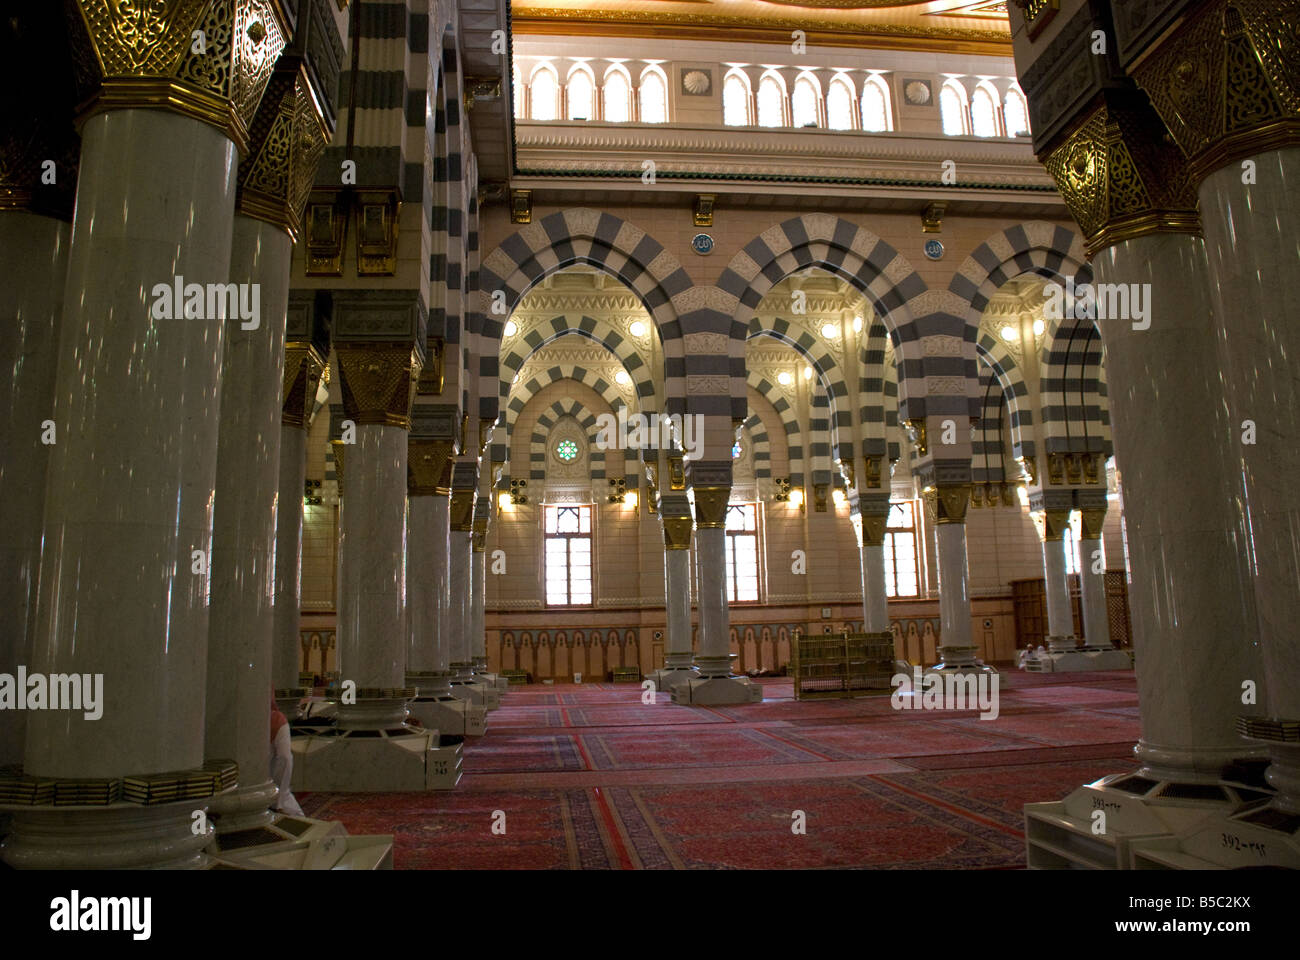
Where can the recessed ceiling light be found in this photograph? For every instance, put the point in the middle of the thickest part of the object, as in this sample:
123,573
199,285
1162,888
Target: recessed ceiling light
622,377
784,379
807,373
511,328
637,328
829,331
1009,333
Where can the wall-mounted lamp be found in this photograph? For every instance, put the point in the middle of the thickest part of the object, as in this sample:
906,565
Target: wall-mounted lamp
518,491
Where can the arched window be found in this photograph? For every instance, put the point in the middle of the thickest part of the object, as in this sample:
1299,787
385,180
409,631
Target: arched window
544,90
839,104
952,108
803,105
735,100
581,93
1016,113
876,115
984,112
653,95
771,101
618,95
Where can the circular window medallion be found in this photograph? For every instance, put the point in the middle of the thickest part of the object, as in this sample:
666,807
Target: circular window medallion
566,450
702,244
934,249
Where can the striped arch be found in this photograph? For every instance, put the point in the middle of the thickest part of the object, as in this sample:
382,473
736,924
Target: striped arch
794,444
523,392
1045,249
856,255
878,394
819,433
599,239
988,460
1019,421
762,447
1072,389
541,432
517,352
829,376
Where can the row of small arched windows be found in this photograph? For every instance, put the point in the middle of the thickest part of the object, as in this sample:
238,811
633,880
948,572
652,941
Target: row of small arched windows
983,112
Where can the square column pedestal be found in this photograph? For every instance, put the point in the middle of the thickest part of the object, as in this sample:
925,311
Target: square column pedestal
678,668
1064,656
715,684
371,749
437,709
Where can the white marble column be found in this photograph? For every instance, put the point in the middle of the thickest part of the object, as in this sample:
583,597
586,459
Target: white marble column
478,631
1251,238
1060,615
1092,583
957,650
440,583
34,249
869,528
459,551
128,505
421,592
286,662
237,710
714,656
372,560
679,650
1195,631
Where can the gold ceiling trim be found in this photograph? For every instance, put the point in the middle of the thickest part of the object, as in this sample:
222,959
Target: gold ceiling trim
699,26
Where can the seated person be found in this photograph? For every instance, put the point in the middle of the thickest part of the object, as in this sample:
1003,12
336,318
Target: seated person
282,763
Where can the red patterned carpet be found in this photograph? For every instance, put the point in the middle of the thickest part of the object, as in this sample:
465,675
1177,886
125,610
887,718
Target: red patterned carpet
589,777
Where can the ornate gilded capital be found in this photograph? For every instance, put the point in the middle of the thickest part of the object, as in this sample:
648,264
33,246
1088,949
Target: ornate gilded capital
711,507
1120,176
1092,522
947,504
1226,81
432,377
478,541
286,141
677,533
462,510
205,59
1051,524
303,369
873,530
426,467
378,382
872,478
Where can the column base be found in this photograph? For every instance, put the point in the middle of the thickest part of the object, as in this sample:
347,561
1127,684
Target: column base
480,694
435,683
301,843
1058,644
289,700
960,660
115,836
710,691
1080,660
480,672
450,716
243,809
1145,817
401,759
670,676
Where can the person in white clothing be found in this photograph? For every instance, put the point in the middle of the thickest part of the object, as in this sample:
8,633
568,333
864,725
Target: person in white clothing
282,763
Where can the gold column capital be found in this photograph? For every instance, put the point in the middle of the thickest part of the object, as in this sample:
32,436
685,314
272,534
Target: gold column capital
873,530
1225,81
1120,177
205,59
1050,524
462,510
432,376
303,369
338,446
1091,523
947,503
426,464
286,141
379,381
677,533
711,507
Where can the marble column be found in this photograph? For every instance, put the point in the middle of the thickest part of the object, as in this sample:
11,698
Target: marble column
376,381
946,510
869,526
427,554
478,623
35,250
303,369
459,558
714,656
128,508
1060,614
1194,622
1092,581
237,716
679,649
